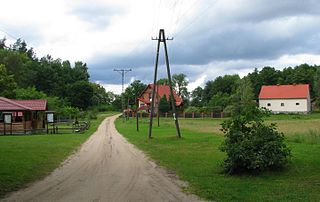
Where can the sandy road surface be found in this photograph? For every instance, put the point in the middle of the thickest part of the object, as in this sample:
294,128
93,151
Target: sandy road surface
106,168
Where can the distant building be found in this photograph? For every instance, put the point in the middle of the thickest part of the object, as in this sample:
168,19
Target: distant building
286,98
161,90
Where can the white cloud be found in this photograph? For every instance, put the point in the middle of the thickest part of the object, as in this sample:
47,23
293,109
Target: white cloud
221,37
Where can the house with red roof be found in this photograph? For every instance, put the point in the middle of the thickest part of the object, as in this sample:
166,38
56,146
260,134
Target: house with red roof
26,114
293,98
145,96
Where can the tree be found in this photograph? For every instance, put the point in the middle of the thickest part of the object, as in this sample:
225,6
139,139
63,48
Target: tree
7,83
226,84
100,95
3,43
197,97
317,86
133,91
117,102
163,81
250,144
29,93
180,83
80,94
219,100
164,104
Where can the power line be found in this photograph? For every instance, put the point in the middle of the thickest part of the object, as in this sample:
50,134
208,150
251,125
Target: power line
195,19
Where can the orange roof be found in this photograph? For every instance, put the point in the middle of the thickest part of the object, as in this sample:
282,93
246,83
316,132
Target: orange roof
35,105
161,91
284,91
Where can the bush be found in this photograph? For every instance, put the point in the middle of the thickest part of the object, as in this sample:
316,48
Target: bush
251,145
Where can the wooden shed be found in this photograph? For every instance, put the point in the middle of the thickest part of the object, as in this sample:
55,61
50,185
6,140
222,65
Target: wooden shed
26,115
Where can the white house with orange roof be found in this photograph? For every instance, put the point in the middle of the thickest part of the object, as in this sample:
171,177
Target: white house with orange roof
286,98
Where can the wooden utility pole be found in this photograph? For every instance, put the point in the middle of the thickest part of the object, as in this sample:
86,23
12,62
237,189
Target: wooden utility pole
122,72
162,38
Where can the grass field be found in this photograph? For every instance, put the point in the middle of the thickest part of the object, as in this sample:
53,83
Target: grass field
196,159
27,158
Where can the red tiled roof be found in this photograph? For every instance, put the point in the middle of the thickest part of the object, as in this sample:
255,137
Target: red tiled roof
36,105
284,91
165,90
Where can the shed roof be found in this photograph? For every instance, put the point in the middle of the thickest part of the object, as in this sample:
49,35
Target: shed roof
33,105
284,91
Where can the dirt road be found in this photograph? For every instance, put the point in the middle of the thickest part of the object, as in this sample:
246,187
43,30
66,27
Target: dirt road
106,168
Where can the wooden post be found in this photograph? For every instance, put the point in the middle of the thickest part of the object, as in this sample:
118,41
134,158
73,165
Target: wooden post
202,115
193,115
24,122
137,120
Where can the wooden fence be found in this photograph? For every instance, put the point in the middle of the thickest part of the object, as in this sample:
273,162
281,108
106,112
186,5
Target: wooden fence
192,115
61,127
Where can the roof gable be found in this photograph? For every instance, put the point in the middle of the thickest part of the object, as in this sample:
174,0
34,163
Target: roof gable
284,91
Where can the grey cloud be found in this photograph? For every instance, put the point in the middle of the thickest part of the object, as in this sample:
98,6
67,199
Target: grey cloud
97,14
253,31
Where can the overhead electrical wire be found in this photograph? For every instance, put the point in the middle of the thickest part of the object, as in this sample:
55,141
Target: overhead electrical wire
195,18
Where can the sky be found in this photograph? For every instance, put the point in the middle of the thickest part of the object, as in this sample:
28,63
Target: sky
210,37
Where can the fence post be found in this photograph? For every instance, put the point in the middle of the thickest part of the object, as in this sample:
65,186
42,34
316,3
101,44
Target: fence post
184,115
166,114
193,115
211,114
221,114
202,115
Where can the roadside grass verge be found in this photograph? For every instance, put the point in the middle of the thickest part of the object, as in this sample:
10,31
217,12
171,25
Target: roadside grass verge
26,158
196,158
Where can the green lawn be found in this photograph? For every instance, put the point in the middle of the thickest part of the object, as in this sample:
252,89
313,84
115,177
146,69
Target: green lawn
196,159
27,158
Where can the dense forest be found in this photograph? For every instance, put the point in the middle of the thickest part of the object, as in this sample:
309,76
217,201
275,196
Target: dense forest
68,89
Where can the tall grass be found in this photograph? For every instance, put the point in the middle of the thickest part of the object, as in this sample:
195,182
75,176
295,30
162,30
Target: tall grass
311,137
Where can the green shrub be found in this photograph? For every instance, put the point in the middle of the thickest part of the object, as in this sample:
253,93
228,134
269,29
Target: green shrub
250,144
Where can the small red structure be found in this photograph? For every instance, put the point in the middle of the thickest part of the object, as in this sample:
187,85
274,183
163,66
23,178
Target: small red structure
161,90
27,115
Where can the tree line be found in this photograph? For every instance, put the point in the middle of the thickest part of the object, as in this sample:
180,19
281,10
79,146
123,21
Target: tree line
66,86
68,89
218,94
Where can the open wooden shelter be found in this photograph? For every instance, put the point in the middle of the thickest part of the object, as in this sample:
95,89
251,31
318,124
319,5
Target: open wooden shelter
27,115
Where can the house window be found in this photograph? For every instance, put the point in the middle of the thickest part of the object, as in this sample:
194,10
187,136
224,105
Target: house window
282,104
268,104
297,103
